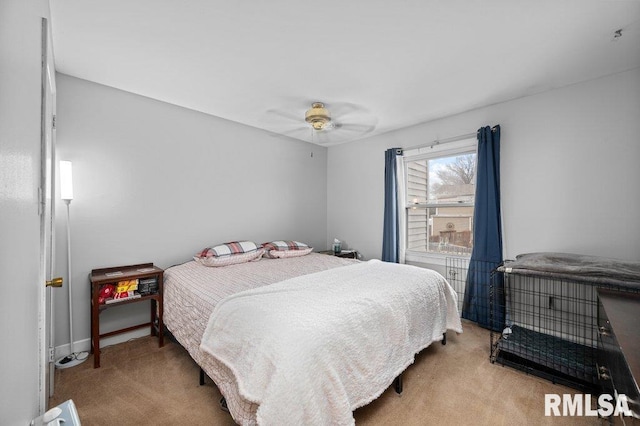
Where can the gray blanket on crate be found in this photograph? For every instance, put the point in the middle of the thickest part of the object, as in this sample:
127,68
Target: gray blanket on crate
594,269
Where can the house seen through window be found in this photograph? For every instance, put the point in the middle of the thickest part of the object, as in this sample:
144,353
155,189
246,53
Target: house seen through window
440,191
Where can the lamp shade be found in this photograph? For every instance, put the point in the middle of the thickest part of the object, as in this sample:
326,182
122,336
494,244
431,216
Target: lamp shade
66,180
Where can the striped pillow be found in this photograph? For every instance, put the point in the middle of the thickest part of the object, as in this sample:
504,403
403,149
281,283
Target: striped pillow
232,259
281,249
284,245
228,249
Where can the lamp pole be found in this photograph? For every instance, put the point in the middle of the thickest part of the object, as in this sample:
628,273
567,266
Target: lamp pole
68,203
66,191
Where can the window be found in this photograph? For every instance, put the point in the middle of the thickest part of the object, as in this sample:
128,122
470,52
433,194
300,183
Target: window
440,190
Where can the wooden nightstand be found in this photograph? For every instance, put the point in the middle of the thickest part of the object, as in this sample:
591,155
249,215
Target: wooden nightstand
144,271
347,254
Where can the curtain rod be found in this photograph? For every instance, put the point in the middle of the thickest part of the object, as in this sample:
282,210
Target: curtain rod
442,141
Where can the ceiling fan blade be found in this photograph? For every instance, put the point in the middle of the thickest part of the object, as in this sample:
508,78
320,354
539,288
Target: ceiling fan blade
356,128
298,131
321,137
340,109
287,115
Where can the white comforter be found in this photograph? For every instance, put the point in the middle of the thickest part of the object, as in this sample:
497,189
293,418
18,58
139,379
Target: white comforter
311,349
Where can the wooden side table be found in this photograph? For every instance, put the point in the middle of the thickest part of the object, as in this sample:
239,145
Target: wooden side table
347,254
100,277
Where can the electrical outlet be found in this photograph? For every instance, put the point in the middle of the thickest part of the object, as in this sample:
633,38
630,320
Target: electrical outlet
51,354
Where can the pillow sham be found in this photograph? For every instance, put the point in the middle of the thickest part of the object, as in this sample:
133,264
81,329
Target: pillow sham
284,245
281,249
227,249
231,259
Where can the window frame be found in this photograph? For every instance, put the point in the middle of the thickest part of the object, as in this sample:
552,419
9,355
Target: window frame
465,146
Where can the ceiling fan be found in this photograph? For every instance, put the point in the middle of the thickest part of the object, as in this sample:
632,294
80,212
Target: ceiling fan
318,116
325,124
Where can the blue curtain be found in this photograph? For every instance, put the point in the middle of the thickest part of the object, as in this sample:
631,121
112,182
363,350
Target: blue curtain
487,236
390,236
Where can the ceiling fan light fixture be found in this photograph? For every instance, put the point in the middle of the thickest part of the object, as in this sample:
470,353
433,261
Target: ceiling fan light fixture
318,116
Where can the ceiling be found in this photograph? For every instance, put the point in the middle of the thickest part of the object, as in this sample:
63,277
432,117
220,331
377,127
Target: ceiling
377,65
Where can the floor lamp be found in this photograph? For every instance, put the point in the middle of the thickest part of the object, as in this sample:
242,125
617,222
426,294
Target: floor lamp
66,193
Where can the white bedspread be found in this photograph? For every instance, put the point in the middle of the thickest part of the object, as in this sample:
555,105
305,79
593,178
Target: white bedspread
192,290
311,349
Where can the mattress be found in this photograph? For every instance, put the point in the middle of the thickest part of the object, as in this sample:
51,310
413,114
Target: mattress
191,290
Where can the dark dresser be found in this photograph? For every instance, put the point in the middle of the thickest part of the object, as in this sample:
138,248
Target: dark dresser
619,344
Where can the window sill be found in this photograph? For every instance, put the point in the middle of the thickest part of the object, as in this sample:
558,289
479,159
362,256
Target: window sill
431,258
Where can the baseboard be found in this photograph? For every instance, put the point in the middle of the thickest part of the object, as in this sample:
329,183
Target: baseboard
84,345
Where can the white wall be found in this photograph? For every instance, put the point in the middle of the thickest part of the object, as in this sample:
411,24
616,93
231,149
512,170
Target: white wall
570,171
20,287
154,182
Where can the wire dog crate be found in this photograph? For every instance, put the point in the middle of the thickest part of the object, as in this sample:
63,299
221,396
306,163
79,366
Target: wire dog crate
546,324
456,274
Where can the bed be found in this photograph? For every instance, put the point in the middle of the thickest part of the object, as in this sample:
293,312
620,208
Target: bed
305,340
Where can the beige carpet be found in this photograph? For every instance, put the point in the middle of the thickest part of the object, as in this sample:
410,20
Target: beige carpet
141,384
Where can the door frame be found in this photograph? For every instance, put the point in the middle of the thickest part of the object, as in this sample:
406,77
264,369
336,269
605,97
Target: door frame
47,218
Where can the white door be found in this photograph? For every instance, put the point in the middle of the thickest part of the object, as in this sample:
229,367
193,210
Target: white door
47,225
